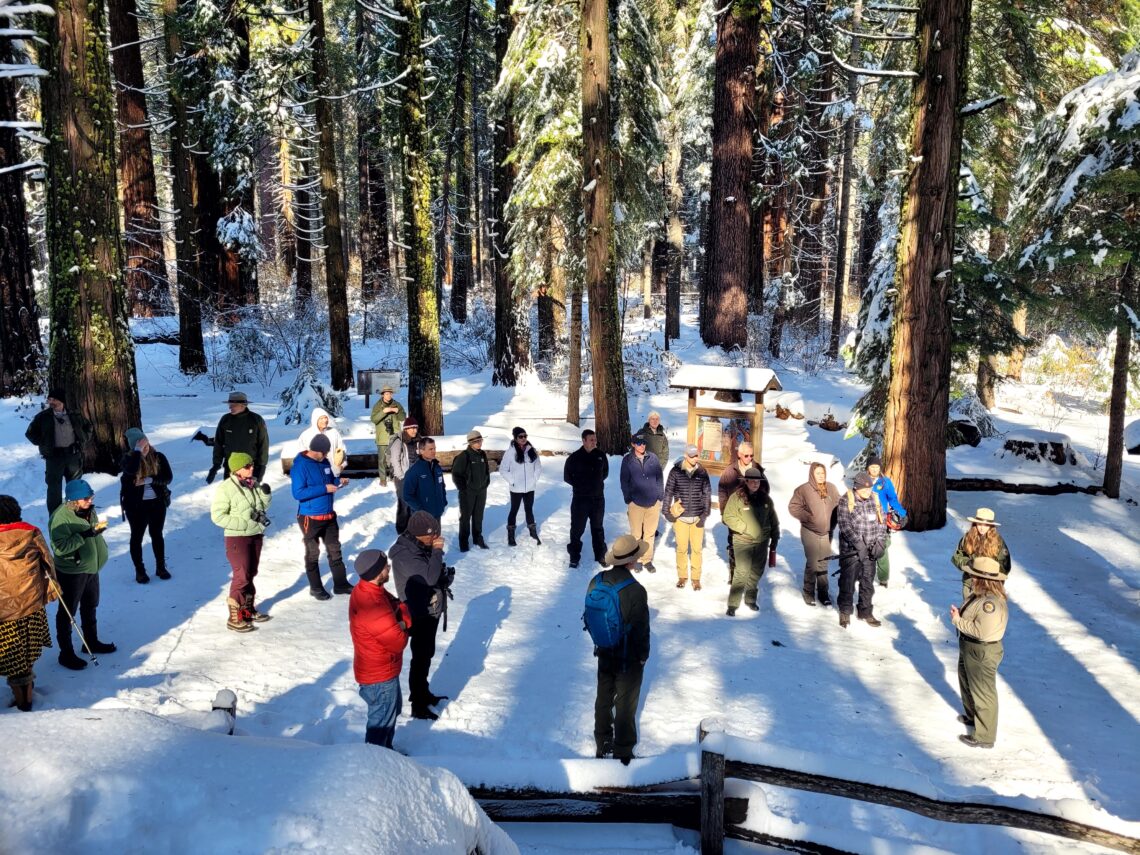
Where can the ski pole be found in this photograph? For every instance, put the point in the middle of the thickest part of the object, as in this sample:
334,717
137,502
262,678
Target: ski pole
54,584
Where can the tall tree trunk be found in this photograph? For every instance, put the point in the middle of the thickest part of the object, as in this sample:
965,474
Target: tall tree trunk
91,352
611,412
463,274
372,192
1017,357
306,220
918,396
552,293
147,289
574,382
846,189
336,260
20,346
675,238
512,334
1118,398
184,188
455,228
988,375
425,401
724,310
286,212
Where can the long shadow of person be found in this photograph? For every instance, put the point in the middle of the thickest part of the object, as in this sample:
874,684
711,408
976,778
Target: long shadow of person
914,646
481,620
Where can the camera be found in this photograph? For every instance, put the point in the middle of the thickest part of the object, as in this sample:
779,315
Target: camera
260,517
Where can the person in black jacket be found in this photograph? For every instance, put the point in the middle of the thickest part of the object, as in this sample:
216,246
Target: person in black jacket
61,435
144,494
688,501
424,584
586,471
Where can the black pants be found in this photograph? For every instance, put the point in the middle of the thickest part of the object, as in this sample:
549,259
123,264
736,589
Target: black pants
312,533
143,516
583,509
471,505
67,465
527,501
403,512
80,593
423,649
852,569
615,710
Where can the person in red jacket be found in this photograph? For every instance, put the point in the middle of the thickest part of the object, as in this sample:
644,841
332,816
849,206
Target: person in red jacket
379,624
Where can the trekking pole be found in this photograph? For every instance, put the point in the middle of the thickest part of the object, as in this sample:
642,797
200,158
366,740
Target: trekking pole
71,618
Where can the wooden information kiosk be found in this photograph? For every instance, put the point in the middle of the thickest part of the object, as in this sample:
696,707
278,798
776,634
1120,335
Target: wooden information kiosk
718,427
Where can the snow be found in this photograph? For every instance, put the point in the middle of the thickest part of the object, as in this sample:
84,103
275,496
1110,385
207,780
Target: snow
786,683
725,377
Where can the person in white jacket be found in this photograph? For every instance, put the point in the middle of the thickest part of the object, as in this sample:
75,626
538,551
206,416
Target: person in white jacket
322,422
521,467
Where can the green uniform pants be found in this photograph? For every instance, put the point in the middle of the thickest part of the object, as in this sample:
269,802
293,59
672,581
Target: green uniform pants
977,679
615,709
751,559
60,466
471,505
883,565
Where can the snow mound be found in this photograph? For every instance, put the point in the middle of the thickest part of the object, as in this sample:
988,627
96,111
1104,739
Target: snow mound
104,780
1132,437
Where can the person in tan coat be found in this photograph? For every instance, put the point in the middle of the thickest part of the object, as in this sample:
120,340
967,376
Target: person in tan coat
981,623
27,585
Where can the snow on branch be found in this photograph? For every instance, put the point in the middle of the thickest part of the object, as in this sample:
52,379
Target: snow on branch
975,107
8,69
868,72
20,167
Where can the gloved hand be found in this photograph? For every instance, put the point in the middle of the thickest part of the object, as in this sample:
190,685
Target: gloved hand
877,549
212,474
88,532
266,489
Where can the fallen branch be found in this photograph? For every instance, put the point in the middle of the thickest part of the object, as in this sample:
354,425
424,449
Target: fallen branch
973,485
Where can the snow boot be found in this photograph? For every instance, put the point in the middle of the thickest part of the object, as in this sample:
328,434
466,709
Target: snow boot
249,611
94,645
319,594
237,621
871,620
162,572
68,659
533,529
511,536
424,713
464,546
140,575
482,544
844,620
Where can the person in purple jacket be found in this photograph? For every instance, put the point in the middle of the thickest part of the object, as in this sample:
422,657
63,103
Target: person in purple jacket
884,490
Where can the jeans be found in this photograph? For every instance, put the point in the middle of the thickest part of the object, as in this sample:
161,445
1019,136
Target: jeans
385,704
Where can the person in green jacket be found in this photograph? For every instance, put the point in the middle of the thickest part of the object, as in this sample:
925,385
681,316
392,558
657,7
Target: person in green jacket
471,474
240,430
751,517
388,415
80,553
239,508
61,435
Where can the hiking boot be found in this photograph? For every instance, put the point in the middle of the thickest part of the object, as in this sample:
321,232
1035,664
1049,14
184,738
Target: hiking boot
809,599
696,584
237,622
871,620
825,601
463,547
605,750
731,611
424,713
482,544
319,594
625,760
68,659
844,620
140,575
342,588
511,536
966,720
882,583
649,567
574,563
23,697
162,573
98,646
974,743
533,529
250,613
754,606
435,699
681,583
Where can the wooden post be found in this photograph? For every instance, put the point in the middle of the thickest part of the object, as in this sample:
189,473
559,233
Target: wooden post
712,803
758,428
692,427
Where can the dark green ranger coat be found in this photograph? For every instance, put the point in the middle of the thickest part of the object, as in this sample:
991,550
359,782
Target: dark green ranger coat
471,473
244,431
388,425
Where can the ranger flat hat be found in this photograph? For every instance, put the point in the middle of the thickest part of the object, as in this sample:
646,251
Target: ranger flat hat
985,568
387,389
625,549
237,398
474,436
985,516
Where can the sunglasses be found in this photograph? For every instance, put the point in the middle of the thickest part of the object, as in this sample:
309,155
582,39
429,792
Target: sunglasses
521,436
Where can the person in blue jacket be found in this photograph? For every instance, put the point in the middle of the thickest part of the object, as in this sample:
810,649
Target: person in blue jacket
642,490
884,490
314,487
424,489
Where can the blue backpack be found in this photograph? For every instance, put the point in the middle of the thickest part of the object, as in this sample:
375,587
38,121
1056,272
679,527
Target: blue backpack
602,616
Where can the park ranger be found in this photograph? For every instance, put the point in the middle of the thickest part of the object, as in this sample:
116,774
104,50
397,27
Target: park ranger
981,623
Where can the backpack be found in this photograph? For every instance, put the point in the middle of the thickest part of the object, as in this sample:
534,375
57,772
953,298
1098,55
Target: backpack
602,617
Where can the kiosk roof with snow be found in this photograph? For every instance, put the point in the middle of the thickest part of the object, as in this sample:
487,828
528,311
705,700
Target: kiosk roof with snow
717,427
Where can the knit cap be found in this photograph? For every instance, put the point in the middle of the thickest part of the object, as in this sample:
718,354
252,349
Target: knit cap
422,523
239,460
369,564
320,443
77,489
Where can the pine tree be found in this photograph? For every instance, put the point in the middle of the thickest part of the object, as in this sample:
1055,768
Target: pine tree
90,346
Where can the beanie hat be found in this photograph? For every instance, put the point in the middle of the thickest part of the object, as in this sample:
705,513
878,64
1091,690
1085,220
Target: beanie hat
369,564
133,435
410,422
422,523
875,461
58,393
239,460
320,443
754,474
77,489
515,431
863,480
474,436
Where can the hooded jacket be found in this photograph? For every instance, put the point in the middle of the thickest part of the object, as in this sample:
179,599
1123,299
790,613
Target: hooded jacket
75,553
814,512
25,564
338,454
521,477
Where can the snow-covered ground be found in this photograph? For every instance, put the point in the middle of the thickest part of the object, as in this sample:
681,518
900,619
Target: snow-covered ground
877,705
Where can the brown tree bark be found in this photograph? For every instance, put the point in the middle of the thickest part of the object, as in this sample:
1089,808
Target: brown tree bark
306,222
452,232
336,259
1118,398
20,346
918,396
1017,357
90,346
147,287
724,307
552,293
611,412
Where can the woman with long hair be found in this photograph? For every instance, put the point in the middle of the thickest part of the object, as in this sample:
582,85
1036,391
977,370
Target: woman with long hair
981,622
751,517
144,493
982,540
27,585
521,467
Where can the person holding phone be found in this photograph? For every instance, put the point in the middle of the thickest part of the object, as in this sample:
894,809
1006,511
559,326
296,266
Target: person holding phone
144,494
314,487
